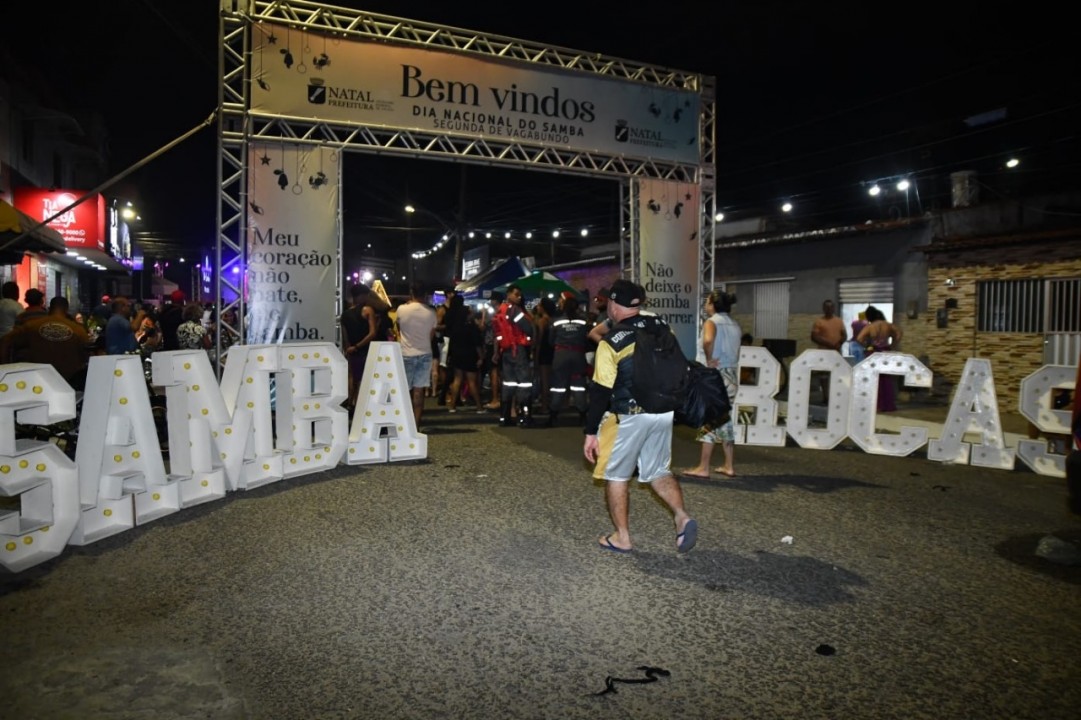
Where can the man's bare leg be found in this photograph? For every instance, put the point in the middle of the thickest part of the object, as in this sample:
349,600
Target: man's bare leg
729,467
617,495
702,468
669,490
418,403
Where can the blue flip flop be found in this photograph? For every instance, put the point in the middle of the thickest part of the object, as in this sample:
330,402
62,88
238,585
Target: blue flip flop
607,545
689,537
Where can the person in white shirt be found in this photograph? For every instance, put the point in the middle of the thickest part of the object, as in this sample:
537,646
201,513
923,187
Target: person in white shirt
719,348
10,308
416,330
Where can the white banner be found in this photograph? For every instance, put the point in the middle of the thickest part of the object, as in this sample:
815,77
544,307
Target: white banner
306,75
292,266
669,256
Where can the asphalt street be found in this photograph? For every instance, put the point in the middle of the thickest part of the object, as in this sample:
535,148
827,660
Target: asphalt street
471,585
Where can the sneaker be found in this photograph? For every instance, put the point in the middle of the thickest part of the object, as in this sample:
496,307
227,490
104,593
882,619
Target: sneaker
452,410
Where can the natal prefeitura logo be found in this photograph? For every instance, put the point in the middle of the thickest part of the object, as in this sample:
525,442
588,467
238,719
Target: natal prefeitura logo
625,133
320,93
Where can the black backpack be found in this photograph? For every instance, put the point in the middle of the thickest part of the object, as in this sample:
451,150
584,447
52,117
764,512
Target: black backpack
661,371
664,380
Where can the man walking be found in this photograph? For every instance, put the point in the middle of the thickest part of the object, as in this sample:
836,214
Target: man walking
416,332
828,333
621,436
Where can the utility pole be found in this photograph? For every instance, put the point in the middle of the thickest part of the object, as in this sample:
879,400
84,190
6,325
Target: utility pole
409,210
460,222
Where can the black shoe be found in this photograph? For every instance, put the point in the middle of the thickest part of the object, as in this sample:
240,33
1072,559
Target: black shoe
505,422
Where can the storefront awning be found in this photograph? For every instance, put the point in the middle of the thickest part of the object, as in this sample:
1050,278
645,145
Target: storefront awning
15,240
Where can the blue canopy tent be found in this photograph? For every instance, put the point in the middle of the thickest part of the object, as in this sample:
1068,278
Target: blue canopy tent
479,287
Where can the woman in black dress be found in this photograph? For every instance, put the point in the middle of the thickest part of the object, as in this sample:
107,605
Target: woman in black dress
465,354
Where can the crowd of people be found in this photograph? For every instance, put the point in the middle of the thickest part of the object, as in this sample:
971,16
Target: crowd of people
548,360
501,356
553,358
56,336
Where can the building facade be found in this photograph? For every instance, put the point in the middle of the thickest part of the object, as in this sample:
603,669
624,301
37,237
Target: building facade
998,280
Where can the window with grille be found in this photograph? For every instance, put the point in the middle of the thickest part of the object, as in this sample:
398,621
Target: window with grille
1029,306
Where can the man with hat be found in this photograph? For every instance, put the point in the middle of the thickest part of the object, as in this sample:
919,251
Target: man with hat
620,436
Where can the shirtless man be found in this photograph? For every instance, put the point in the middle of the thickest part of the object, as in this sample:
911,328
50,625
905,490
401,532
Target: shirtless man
828,333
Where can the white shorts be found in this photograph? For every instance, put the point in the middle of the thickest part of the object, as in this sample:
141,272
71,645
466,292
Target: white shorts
628,441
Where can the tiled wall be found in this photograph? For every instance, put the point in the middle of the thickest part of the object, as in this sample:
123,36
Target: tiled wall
1013,355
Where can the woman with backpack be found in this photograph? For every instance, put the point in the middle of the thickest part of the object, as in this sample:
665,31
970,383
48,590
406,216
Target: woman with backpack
719,348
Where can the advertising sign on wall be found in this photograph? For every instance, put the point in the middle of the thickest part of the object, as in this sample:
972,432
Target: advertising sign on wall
301,75
292,244
81,227
669,262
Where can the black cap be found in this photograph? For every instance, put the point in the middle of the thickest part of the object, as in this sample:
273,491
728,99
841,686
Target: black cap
626,293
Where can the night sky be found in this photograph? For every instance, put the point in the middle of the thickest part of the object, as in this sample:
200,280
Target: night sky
813,100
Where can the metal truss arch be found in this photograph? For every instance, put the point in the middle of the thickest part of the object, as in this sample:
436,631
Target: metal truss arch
239,125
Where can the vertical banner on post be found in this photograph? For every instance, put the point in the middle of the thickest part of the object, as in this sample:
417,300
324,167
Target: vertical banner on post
669,255
292,244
